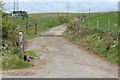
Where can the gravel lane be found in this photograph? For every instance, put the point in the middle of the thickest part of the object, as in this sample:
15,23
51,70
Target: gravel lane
60,59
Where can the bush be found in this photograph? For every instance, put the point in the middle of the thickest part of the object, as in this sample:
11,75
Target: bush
9,34
113,55
14,51
63,19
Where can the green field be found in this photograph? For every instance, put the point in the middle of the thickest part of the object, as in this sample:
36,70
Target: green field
45,21
106,21
102,40
42,26
46,15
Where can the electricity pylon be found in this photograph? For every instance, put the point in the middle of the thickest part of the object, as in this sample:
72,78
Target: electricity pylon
16,5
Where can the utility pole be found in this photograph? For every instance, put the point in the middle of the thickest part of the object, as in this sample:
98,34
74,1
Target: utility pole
16,5
68,6
15,8
79,7
89,11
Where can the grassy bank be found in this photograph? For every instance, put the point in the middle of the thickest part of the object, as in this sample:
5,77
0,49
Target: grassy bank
11,59
102,40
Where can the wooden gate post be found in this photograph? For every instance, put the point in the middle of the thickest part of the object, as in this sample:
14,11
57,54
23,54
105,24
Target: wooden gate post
27,28
21,44
35,28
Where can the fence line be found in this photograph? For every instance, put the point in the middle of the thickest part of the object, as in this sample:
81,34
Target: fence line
107,25
97,24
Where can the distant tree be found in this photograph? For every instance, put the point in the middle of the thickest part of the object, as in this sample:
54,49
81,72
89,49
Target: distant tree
20,13
24,14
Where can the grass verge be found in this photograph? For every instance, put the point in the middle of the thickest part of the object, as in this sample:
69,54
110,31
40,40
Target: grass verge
31,54
11,59
14,62
100,41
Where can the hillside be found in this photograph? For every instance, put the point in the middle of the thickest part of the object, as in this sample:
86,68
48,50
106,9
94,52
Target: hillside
45,15
102,40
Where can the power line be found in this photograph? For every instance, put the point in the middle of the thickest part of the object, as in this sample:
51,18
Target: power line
68,6
79,7
89,11
16,5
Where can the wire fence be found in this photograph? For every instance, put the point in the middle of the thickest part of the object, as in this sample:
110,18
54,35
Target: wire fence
106,26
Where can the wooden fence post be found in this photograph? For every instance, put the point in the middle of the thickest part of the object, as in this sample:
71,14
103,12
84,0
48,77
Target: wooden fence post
109,24
97,24
29,25
89,25
21,44
27,28
35,28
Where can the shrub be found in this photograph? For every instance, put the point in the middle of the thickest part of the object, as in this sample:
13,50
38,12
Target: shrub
9,34
63,19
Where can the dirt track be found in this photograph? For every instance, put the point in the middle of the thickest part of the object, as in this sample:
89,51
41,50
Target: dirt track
60,59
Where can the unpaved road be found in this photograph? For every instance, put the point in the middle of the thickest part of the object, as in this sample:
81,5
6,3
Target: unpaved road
60,59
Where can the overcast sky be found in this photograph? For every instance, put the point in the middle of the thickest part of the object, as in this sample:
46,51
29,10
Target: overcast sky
64,0
82,6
